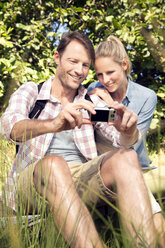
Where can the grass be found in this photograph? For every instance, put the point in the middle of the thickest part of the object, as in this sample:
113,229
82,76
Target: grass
43,232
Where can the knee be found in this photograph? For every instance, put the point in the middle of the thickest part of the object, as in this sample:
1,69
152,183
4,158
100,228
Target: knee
127,167
123,159
120,166
129,158
49,168
53,161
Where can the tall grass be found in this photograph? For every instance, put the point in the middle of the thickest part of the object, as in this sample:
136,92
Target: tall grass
40,231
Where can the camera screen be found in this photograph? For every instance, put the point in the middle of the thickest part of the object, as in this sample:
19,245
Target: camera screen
101,115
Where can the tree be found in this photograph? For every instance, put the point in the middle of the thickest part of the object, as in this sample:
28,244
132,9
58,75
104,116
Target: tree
27,36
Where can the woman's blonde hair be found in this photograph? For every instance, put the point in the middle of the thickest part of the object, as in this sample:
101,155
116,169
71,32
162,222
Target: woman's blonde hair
114,48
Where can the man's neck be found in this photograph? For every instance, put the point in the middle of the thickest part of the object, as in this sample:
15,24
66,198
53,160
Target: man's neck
64,95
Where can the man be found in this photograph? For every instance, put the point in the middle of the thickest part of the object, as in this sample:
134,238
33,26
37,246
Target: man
58,159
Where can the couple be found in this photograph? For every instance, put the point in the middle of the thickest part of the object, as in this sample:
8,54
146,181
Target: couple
58,158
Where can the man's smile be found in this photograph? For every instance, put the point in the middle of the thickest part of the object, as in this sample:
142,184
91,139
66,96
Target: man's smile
75,77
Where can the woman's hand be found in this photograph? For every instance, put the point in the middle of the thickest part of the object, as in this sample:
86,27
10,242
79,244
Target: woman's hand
126,123
125,120
103,94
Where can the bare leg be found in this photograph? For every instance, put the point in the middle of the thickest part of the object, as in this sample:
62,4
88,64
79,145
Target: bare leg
52,178
121,168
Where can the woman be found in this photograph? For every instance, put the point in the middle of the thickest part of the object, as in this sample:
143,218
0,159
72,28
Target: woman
113,68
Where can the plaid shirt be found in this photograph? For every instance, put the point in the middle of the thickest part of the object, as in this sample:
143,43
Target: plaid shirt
20,105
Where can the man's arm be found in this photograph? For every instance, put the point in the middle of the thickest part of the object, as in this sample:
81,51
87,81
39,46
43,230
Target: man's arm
68,118
20,104
29,128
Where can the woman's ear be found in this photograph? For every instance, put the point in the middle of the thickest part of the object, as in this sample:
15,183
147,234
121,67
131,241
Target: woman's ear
56,57
125,65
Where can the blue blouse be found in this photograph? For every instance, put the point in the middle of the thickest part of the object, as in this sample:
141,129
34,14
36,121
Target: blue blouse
142,101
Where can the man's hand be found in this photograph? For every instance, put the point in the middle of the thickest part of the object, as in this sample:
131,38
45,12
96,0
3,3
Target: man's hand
68,118
71,116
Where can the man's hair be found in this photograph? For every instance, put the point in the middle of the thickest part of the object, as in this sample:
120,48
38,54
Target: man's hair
114,49
79,36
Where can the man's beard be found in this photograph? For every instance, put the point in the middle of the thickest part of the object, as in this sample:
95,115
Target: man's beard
63,80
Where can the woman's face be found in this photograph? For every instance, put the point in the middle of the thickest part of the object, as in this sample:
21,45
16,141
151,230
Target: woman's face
111,74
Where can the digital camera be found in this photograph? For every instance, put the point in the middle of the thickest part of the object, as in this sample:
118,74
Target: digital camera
103,115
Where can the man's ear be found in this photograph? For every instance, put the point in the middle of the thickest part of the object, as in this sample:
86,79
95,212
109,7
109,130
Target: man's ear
125,64
56,57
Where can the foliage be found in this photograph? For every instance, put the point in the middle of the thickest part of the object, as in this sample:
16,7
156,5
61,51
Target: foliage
30,31
26,43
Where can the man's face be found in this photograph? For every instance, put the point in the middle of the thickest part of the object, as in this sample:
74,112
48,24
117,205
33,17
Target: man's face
73,65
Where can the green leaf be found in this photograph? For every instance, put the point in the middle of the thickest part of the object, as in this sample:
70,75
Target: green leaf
1,85
131,39
154,123
79,9
50,34
85,18
5,42
109,18
99,26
